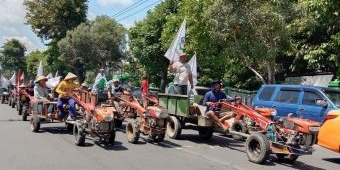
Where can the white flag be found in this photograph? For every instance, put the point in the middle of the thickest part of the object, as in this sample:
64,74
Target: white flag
3,82
40,71
193,66
53,82
13,79
177,45
49,76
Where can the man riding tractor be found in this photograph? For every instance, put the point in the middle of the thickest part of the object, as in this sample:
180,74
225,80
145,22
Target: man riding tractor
64,89
213,111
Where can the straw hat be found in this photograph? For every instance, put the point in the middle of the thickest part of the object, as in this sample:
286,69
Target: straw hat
115,80
83,84
70,76
39,78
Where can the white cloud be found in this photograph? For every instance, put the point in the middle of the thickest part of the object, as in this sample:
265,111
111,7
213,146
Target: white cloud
12,11
30,46
91,15
105,3
12,25
127,24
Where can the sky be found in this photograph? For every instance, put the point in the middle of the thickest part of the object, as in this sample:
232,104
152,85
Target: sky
12,18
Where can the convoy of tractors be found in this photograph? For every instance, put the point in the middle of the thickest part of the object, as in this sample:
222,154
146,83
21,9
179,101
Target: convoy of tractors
99,117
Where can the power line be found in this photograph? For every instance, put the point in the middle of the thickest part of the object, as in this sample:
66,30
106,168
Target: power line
140,10
130,9
131,6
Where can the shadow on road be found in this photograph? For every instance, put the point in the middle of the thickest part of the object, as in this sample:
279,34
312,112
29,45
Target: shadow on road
117,146
56,130
333,160
11,120
296,165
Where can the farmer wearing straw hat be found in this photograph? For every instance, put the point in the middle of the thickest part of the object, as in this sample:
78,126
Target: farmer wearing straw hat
116,88
63,89
41,94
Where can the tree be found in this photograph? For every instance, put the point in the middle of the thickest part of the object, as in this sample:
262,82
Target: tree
317,35
91,45
52,19
145,43
33,60
13,57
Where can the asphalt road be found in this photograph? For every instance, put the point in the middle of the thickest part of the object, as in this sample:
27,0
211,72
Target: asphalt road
53,149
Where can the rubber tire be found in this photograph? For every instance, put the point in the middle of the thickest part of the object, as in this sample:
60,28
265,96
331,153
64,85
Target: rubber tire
79,134
9,101
35,123
13,103
2,99
17,105
69,126
24,113
132,131
112,137
174,128
205,133
238,126
158,137
118,123
19,109
262,141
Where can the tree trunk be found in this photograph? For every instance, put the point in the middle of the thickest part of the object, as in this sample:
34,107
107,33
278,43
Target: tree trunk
271,71
164,77
258,75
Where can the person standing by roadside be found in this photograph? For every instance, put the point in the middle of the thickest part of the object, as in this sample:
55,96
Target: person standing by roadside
183,74
145,90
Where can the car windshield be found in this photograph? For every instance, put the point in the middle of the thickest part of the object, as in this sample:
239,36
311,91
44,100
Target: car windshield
333,95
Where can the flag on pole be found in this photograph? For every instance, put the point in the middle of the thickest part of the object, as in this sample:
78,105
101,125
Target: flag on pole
40,71
53,82
3,82
177,45
13,79
49,76
193,66
21,76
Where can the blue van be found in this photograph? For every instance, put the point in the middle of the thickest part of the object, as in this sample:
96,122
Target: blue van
304,101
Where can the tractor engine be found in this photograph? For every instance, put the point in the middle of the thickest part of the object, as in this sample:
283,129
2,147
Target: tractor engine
298,132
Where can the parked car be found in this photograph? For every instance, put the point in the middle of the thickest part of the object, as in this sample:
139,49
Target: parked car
329,134
304,101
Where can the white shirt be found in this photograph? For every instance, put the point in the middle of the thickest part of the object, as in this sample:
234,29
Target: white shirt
182,71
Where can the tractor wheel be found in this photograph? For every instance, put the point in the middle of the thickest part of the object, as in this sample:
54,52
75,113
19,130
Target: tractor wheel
174,128
2,99
111,138
132,131
238,126
118,123
9,101
17,105
69,126
19,108
24,113
257,148
158,137
13,103
205,133
35,123
79,134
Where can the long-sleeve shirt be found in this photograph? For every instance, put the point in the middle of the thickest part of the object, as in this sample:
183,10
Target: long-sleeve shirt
65,87
40,92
